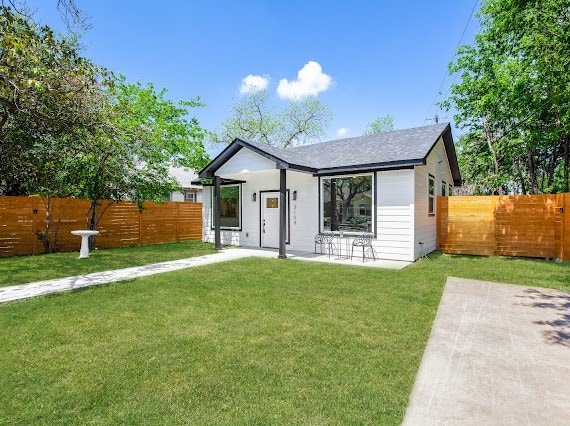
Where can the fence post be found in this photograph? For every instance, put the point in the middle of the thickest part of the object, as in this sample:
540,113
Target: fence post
561,214
35,221
140,227
178,222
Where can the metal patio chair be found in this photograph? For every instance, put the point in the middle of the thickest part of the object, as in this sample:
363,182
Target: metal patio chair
326,239
364,241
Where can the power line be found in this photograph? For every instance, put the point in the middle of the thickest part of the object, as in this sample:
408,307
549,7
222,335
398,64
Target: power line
453,57
525,119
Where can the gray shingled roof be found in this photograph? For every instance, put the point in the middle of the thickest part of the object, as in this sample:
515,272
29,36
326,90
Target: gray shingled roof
391,149
396,146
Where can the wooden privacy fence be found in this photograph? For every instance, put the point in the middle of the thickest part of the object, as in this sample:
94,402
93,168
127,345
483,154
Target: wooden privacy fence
518,225
122,224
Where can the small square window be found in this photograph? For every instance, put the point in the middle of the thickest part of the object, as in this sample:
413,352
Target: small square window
272,203
190,196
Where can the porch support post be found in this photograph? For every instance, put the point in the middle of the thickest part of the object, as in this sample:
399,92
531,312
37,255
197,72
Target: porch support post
282,213
217,214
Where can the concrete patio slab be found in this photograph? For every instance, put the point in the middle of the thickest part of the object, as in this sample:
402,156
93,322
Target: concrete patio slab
325,258
498,354
41,288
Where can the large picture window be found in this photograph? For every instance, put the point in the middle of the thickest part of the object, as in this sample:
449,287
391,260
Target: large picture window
230,211
347,204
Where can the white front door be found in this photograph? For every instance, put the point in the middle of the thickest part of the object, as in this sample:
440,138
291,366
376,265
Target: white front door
270,219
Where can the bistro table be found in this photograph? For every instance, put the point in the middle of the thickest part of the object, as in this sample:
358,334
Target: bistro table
341,235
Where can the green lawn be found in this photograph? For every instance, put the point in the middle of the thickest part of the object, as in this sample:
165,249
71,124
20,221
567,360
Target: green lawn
25,269
255,341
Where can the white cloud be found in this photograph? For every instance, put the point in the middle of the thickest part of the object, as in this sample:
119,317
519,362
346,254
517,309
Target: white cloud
253,83
310,82
343,131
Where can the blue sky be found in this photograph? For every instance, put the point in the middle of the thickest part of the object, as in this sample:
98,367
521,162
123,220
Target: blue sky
382,57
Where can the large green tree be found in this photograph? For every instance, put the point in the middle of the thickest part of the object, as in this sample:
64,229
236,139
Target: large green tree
513,98
129,157
47,90
70,128
254,118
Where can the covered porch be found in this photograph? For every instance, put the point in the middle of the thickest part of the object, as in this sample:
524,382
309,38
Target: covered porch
242,209
259,200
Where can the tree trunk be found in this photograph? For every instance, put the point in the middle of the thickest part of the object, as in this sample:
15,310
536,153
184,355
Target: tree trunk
551,168
490,139
566,143
532,171
519,174
92,223
334,215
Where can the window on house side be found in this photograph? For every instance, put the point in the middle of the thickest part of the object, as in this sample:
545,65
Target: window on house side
190,196
431,194
443,188
450,193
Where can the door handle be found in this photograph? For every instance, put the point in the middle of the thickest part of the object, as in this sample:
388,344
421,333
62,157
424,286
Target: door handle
264,226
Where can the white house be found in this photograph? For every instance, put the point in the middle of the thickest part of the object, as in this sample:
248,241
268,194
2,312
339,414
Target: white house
189,190
385,185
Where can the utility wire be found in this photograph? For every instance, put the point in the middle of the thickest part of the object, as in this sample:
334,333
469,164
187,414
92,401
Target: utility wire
452,58
525,119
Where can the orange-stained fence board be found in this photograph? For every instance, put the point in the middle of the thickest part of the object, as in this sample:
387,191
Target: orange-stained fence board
520,225
122,224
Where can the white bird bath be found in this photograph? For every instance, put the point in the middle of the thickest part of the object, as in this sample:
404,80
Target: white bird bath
84,234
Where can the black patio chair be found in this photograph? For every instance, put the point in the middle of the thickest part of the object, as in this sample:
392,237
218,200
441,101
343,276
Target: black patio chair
364,241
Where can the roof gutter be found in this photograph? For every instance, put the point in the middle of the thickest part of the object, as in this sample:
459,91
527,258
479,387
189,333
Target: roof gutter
372,167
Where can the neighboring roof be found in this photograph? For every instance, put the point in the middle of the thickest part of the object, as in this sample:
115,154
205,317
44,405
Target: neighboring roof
390,150
184,176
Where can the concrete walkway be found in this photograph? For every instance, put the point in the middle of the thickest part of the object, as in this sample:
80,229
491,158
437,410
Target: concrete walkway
498,354
41,288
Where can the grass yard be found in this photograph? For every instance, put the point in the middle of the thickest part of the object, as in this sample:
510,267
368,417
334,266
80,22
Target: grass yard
254,341
25,269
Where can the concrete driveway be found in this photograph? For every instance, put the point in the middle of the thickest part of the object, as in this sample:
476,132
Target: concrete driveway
498,355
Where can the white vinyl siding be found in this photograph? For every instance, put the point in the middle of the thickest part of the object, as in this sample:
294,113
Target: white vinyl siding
245,161
395,215
425,224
